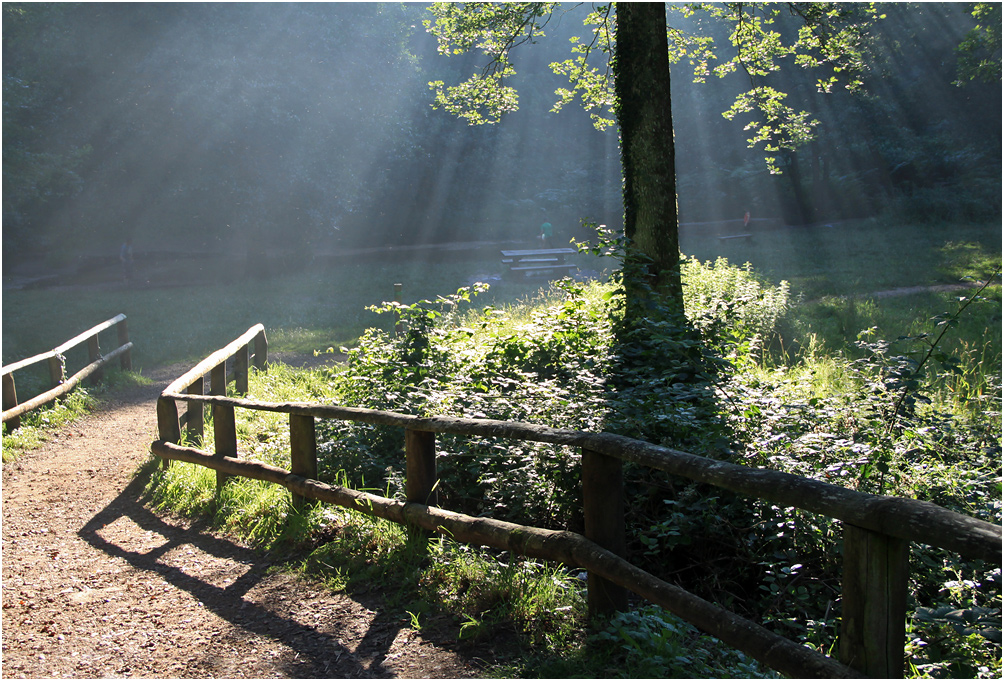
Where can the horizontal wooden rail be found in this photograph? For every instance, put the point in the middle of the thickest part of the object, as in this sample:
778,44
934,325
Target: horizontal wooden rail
77,340
65,387
908,519
221,356
778,652
11,368
57,368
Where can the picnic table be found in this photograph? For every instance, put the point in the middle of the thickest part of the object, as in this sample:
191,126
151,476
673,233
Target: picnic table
539,261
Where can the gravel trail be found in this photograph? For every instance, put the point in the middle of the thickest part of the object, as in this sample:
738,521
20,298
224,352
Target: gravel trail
96,584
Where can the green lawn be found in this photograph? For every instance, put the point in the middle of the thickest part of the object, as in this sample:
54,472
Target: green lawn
325,307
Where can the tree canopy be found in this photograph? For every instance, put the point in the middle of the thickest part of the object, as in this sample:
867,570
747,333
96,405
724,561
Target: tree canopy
830,38
634,86
196,125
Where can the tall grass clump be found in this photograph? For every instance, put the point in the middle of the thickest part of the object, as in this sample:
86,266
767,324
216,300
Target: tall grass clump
484,592
183,488
256,511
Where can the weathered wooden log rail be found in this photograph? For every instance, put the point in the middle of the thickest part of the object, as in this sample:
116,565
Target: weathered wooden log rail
877,529
238,354
56,360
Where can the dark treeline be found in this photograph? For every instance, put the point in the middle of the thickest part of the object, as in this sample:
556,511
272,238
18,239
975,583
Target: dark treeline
309,126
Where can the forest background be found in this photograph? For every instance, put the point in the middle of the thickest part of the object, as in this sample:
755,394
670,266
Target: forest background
206,127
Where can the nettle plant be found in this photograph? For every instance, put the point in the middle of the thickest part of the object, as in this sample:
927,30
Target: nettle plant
544,367
569,362
881,423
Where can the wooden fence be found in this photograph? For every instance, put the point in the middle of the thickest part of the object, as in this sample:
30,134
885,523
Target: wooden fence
56,360
224,365
877,529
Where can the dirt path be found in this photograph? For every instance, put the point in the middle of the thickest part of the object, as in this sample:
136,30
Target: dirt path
97,585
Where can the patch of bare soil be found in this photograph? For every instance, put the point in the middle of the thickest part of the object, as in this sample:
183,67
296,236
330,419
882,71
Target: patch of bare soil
910,290
96,584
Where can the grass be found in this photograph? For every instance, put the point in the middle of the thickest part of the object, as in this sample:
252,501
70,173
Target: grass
858,257
318,308
528,617
36,425
311,310
838,324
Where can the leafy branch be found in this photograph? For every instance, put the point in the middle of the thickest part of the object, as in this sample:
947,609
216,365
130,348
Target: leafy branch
495,29
594,87
831,34
945,321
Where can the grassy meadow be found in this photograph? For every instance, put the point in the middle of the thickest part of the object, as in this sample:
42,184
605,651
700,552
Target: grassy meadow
856,257
317,308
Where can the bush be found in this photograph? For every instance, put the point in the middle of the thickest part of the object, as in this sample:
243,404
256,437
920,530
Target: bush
558,363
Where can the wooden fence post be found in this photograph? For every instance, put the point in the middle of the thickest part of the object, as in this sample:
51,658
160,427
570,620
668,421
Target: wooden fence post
241,362
225,437
125,359
303,447
168,424
218,379
420,467
603,513
196,424
224,420
874,590
260,350
57,370
10,400
94,354
420,473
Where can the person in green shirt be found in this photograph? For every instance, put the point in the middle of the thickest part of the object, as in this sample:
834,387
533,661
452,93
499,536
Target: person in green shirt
546,233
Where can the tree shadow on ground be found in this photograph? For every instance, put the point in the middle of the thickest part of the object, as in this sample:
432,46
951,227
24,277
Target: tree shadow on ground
316,653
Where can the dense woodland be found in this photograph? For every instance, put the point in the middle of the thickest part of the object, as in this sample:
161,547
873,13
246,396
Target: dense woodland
309,126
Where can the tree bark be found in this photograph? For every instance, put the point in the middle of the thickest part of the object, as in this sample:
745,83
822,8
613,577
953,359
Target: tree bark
651,223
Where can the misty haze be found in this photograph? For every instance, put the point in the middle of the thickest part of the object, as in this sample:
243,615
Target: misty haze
273,137
769,262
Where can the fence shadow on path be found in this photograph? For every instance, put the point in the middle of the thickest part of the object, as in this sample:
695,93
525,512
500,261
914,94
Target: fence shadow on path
316,654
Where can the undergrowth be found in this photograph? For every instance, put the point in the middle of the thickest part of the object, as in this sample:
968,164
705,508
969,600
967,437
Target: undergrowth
911,417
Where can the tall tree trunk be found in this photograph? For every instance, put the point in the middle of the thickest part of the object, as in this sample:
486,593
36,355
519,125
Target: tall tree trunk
641,72
803,203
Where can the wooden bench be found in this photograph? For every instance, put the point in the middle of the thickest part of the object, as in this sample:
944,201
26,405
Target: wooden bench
539,261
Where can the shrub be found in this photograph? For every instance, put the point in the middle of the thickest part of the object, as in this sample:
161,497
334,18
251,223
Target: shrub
558,363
